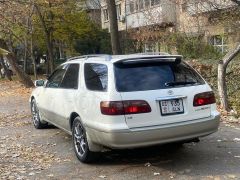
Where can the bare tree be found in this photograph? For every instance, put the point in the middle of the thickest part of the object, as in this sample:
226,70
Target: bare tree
48,30
222,68
11,58
6,70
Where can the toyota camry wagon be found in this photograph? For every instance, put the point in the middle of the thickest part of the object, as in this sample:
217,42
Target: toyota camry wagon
127,101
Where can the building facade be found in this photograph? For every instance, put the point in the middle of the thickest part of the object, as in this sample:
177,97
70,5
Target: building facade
148,21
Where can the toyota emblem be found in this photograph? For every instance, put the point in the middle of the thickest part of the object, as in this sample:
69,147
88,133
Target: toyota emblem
170,92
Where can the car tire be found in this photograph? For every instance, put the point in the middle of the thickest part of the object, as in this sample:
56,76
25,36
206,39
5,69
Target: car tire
36,118
80,143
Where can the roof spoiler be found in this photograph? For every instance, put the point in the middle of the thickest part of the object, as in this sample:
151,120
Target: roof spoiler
164,58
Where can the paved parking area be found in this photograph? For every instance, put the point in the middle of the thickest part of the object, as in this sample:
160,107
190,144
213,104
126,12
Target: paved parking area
27,153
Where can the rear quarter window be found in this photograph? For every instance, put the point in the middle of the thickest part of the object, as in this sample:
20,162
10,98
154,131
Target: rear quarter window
153,76
96,76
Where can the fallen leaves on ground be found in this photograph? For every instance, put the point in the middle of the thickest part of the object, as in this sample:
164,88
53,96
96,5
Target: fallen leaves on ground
147,164
13,88
236,139
102,176
228,117
15,120
19,160
156,174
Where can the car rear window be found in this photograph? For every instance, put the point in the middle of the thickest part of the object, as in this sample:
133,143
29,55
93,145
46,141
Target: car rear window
152,76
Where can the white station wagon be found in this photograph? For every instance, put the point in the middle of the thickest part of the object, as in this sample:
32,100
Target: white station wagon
126,101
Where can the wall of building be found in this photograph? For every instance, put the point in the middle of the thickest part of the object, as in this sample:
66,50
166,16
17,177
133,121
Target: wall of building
197,20
147,15
152,23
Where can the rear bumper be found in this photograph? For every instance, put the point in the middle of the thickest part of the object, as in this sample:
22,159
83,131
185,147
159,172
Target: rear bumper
140,137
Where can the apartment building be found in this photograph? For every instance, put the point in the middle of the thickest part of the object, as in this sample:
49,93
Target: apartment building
217,21
147,21
93,9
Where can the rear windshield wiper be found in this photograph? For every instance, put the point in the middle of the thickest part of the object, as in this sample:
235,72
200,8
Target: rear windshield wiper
179,83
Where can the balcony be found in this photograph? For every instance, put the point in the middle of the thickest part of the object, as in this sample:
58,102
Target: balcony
195,7
141,13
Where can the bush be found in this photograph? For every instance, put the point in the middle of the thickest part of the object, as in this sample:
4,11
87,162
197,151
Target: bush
196,48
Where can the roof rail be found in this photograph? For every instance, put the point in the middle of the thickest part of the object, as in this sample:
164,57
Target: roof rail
107,57
152,53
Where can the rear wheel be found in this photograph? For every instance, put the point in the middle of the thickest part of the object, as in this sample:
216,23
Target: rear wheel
36,116
80,142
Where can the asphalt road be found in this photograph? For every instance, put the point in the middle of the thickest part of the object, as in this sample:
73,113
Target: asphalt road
27,153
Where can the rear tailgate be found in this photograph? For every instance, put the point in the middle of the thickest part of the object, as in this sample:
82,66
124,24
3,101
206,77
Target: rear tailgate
169,87
157,116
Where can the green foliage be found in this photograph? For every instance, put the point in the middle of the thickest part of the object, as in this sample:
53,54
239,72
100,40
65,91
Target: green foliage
193,47
72,28
97,43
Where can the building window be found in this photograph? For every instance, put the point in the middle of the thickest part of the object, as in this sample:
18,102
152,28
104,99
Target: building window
184,7
136,5
146,4
131,6
141,5
155,2
219,42
105,15
119,11
151,47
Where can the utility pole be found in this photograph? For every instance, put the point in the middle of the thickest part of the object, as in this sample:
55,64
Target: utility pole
116,49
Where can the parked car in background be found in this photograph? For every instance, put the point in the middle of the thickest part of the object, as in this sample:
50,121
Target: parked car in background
126,101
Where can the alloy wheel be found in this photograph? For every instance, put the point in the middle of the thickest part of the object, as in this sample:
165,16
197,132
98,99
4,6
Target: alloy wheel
35,114
80,142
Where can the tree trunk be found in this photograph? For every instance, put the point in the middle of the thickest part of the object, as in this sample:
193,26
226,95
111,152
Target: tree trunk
33,59
222,68
22,76
1,75
48,38
7,73
25,55
116,48
222,86
50,52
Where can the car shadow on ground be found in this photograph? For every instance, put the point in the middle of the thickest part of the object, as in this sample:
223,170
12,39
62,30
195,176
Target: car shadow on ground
154,154
193,158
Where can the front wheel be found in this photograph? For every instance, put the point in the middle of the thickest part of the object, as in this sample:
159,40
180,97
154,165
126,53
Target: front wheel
36,116
80,142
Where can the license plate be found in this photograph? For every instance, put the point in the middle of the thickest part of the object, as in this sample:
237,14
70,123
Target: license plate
173,106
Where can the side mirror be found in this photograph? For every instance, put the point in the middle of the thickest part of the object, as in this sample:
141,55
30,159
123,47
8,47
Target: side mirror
39,83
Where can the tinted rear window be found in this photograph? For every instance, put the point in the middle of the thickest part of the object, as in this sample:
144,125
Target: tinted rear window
152,76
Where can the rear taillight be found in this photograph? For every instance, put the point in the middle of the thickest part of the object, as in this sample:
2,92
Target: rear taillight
124,107
204,99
